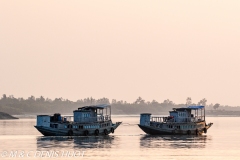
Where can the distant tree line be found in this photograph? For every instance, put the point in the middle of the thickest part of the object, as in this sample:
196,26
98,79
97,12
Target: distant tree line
41,105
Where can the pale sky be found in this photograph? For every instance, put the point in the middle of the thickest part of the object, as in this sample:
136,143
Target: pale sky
122,49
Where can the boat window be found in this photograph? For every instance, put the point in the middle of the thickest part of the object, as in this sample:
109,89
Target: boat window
86,115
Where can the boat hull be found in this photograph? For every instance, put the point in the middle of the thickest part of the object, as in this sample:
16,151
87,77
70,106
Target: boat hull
159,131
47,131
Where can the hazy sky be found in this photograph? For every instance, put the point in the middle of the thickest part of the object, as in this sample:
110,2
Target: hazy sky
121,49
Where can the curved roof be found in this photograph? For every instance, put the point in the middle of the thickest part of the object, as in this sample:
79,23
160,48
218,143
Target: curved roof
99,106
188,108
196,107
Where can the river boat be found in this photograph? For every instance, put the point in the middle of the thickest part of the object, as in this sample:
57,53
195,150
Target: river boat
86,121
181,121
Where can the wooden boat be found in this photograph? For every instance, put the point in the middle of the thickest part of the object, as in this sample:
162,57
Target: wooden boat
87,121
182,121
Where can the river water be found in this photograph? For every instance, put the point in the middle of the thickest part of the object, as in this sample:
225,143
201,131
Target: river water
20,140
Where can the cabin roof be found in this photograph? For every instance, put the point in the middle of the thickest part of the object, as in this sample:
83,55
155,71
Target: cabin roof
145,113
196,107
180,109
99,106
188,108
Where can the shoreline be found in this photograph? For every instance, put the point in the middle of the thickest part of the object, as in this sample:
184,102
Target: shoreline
6,116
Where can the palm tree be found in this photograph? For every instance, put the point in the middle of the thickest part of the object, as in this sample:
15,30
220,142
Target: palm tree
188,101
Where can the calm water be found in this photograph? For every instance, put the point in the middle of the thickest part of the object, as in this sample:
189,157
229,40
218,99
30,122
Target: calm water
128,142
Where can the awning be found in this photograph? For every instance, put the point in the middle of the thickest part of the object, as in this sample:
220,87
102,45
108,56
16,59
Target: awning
196,107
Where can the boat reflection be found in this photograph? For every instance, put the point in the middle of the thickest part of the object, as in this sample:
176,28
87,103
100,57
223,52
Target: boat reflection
76,142
176,141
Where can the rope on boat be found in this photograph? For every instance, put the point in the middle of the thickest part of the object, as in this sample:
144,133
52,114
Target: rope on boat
128,124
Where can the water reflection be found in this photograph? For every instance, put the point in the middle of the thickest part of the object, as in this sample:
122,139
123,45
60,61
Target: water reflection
76,142
176,141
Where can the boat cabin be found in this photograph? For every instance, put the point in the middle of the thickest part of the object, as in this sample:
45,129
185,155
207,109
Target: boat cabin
189,114
96,113
179,115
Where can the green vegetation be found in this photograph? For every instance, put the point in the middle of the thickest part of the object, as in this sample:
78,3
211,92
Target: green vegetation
41,105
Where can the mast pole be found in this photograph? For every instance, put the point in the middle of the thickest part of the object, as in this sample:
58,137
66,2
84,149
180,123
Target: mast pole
204,113
110,111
